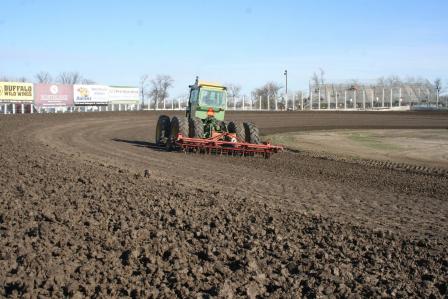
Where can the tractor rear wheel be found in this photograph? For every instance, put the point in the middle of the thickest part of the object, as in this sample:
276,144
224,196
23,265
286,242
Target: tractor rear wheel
162,130
252,133
196,128
237,128
179,125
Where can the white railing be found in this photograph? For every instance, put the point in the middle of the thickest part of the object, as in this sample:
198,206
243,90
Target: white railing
346,100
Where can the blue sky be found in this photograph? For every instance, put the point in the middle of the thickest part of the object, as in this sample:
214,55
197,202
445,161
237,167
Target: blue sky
244,42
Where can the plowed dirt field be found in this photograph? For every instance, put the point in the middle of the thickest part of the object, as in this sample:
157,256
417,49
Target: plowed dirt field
89,207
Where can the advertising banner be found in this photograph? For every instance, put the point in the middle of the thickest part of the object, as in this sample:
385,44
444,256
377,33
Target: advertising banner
16,92
90,95
53,95
123,95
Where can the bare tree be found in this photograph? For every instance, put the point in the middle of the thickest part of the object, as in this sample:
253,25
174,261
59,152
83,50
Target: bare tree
318,79
143,86
438,85
315,80
87,81
5,78
69,78
233,90
159,88
438,88
322,74
43,77
270,91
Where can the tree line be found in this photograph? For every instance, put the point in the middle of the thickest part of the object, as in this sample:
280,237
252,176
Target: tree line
71,77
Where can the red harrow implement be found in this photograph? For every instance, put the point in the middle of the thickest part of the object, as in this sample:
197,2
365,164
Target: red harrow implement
226,144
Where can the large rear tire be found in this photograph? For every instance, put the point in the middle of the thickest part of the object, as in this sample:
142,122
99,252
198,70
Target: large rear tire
179,125
252,133
162,130
237,128
196,128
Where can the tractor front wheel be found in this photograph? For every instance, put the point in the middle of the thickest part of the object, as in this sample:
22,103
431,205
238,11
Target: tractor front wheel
237,128
162,130
196,128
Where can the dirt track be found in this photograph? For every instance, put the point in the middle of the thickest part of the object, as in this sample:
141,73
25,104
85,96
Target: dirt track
79,217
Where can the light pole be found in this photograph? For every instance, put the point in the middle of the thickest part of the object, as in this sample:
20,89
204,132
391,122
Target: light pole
286,80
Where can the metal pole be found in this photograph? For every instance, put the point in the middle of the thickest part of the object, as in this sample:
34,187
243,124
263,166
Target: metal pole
364,99
354,99
437,98
269,104
6,108
234,103
400,99
301,100
260,103
328,96
31,108
276,104
391,97
293,102
345,99
373,94
13,108
336,104
311,99
382,103
318,94
286,78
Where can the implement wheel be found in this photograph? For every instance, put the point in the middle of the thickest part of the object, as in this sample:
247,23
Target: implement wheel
162,130
179,125
252,133
237,128
196,128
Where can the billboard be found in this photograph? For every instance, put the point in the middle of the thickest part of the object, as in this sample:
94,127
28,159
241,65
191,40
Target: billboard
53,95
16,92
90,95
123,95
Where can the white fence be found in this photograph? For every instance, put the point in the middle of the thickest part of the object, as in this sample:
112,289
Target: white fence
313,99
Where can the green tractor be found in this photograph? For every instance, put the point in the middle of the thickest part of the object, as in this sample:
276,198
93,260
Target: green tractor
203,127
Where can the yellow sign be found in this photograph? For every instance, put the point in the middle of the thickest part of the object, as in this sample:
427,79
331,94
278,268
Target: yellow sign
16,92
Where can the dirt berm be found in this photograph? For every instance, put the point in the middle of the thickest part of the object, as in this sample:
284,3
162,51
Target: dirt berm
90,208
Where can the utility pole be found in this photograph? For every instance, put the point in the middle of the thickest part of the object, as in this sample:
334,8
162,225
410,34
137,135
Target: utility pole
286,80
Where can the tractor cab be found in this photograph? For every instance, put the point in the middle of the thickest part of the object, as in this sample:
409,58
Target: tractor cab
207,100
